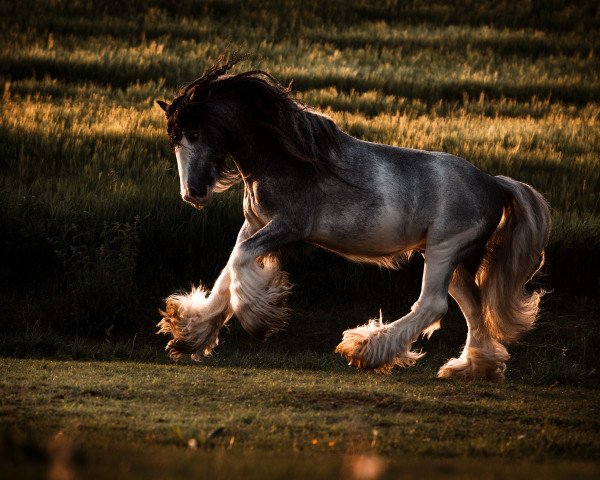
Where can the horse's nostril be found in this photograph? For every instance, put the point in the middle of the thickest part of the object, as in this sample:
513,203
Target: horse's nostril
193,192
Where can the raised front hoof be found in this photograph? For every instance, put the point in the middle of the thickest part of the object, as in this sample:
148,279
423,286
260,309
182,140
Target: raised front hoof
193,334
176,349
474,368
355,357
369,348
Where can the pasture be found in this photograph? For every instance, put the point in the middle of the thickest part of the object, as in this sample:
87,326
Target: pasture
255,422
94,236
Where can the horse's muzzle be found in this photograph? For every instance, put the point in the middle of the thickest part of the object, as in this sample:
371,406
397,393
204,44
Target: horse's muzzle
190,196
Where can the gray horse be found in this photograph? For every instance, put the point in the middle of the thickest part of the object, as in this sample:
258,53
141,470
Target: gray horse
482,237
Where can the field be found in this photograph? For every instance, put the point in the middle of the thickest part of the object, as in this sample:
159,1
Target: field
318,423
94,234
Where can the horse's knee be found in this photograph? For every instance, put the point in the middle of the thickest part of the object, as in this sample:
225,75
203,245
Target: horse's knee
240,259
434,308
247,279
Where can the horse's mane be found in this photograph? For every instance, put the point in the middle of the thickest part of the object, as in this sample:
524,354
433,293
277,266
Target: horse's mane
275,118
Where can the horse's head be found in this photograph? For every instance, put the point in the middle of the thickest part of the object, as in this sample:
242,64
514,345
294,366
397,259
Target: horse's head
201,153
243,116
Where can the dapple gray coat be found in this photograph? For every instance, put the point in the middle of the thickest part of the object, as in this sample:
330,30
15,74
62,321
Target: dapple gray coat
482,237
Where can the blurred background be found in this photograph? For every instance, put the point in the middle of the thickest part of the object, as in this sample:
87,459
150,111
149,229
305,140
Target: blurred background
93,232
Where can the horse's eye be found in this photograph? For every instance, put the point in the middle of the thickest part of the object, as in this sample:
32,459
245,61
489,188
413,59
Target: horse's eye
192,136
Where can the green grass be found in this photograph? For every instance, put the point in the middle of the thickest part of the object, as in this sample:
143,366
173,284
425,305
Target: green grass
94,236
515,91
294,414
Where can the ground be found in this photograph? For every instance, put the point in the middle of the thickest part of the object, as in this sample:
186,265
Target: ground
96,416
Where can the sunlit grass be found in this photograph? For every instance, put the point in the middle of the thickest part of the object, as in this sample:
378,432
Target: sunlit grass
84,144
92,137
168,404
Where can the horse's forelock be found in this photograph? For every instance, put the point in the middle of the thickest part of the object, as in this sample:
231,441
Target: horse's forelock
216,72
174,128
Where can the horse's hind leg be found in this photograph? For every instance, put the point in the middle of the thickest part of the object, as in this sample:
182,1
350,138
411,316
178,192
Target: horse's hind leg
483,357
195,319
380,347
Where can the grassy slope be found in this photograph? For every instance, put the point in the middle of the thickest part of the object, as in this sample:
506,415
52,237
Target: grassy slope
287,412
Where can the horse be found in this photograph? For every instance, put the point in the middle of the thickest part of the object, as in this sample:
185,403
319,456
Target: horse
482,237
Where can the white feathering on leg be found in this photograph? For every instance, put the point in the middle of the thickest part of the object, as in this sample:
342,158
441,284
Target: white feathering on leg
374,346
258,296
195,319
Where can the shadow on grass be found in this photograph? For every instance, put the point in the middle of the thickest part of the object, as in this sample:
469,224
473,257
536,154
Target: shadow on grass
554,354
123,75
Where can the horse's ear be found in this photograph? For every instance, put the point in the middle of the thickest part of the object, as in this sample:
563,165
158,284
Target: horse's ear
163,105
195,94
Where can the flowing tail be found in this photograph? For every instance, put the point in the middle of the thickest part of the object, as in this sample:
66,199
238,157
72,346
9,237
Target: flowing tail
515,253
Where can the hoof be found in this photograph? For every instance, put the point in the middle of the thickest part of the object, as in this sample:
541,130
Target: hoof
178,348
478,364
371,347
194,330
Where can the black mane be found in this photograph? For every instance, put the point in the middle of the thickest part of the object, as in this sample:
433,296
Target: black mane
274,120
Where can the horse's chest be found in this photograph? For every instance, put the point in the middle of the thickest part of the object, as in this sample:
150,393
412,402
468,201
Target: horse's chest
256,208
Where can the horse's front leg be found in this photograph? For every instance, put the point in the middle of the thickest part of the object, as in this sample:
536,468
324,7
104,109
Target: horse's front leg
377,346
195,319
258,288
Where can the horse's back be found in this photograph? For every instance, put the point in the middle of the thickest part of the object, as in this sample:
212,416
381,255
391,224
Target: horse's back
438,181
398,197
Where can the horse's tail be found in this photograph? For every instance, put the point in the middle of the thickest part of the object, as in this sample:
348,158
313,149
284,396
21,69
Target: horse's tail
515,253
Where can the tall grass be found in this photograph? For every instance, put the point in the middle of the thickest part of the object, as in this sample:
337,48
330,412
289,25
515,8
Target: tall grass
515,91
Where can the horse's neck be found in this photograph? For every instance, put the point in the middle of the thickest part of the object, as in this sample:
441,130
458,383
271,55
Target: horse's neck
257,164
251,164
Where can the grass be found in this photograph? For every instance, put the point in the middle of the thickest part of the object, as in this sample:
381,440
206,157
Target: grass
326,415
83,144
94,236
